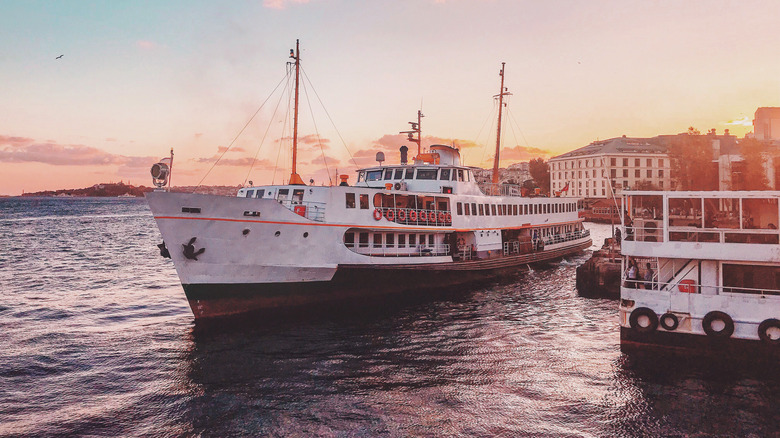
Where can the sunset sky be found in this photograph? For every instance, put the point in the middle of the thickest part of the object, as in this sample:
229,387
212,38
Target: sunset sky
140,77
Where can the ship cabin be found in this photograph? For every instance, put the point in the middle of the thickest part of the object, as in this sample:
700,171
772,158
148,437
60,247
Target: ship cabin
432,207
710,243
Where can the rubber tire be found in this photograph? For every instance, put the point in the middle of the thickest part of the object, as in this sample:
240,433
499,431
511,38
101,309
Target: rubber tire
674,324
633,320
713,316
762,331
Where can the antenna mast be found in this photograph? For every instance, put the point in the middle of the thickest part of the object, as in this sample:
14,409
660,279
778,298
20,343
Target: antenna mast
294,177
502,92
416,129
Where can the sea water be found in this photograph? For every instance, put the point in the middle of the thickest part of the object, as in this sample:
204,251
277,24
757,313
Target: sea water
97,338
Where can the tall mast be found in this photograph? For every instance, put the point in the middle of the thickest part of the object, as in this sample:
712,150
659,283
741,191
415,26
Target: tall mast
294,177
502,92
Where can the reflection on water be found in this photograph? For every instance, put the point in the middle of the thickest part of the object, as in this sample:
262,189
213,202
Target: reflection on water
99,340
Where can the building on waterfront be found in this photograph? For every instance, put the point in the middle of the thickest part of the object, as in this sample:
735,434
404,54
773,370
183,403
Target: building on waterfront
604,168
766,124
513,174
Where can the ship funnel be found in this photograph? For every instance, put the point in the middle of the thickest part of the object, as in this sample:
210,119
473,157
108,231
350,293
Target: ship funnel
404,157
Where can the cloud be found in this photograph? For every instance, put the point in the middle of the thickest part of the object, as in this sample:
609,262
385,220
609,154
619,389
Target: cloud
238,162
221,149
25,150
281,4
520,153
331,161
146,44
744,121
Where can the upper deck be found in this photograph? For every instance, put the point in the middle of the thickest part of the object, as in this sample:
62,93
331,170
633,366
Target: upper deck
714,225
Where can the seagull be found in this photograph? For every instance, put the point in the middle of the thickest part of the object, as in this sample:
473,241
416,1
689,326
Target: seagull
59,57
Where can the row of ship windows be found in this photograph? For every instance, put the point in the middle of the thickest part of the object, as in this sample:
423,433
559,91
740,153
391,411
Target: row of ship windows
615,184
387,240
637,162
474,209
613,174
445,174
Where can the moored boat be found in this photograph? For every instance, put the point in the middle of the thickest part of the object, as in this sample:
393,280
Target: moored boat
701,273
416,225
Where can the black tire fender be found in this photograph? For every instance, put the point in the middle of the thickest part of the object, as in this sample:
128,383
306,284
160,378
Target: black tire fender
763,331
716,315
639,312
669,321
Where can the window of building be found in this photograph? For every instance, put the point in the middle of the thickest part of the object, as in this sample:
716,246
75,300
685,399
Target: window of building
636,162
660,173
649,173
625,173
649,162
660,162
625,162
350,200
613,161
637,173
364,202
614,173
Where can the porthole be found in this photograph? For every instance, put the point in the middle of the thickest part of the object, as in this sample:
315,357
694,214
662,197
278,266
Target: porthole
278,233
306,234
245,232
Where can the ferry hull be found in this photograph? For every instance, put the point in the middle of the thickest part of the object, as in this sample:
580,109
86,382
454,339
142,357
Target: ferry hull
355,285
688,344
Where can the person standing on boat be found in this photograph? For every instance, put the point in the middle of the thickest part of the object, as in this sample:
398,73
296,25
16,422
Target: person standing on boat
632,274
649,277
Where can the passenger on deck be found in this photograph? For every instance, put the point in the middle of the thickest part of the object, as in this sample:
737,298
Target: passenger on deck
649,277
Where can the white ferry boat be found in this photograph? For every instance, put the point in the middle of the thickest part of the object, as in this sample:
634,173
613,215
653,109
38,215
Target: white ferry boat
701,272
402,227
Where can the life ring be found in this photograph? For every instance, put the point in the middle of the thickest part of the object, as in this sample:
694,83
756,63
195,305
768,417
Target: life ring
448,218
728,325
401,214
390,214
377,214
442,216
669,321
764,331
413,215
649,315
432,217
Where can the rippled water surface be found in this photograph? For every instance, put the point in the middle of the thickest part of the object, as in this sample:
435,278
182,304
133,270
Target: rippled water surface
96,338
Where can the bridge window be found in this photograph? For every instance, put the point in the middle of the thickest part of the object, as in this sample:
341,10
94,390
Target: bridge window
297,196
409,173
460,174
374,175
282,194
399,174
250,193
445,174
388,174
260,193
350,200
426,173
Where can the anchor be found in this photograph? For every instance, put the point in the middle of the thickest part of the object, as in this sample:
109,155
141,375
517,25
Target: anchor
164,250
189,250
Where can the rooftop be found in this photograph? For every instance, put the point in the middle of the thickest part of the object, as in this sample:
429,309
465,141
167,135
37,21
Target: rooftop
617,145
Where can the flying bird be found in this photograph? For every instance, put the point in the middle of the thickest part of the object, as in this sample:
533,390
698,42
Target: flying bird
59,57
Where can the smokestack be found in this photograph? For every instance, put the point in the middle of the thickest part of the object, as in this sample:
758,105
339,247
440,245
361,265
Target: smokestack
404,151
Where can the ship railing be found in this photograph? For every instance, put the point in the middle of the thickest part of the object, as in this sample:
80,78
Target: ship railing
565,237
311,210
690,286
490,189
421,250
704,235
417,216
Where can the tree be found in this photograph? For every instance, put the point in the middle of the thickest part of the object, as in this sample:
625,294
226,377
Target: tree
692,162
540,172
753,174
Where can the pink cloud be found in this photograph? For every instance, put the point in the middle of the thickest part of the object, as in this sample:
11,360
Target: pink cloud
23,150
281,4
221,149
146,45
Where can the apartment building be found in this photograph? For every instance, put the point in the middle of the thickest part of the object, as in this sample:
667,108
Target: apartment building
604,168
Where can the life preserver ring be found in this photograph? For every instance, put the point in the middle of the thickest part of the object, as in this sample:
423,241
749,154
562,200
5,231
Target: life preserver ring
767,328
413,215
669,321
377,214
442,216
649,317
432,217
728,325
390,214
401,214
448,218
